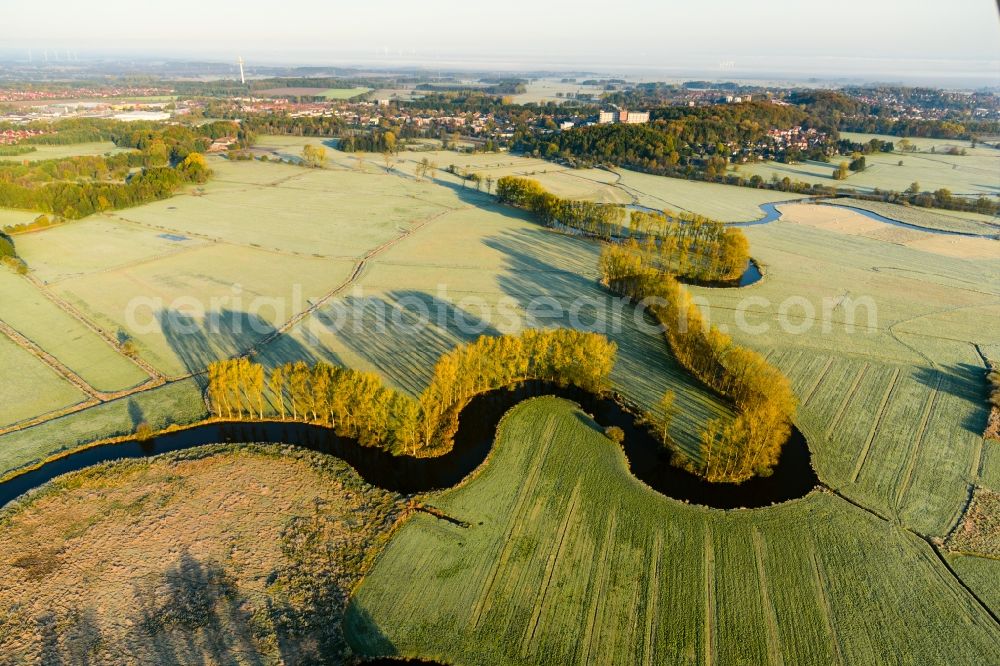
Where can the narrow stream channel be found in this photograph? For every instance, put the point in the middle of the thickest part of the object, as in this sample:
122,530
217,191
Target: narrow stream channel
649,461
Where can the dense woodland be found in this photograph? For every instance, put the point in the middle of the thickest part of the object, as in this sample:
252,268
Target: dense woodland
357,405
284,123
691,246
676,136
163,159
751,443
79,186
594,219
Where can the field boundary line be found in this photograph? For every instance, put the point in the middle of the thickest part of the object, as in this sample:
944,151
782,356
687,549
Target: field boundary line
73,312
839,414
958,579
886,398
24,424
652,599
930,544
815,386
955,520
597,605
48,359
918,442
773,637
550,567
359,268
892,327
537,461
819,579
709,592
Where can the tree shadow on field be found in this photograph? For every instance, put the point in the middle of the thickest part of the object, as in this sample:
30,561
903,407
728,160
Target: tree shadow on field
363,634
468,194
228,333
544,268
135,413
192,614
588,422
72,639
965,381
403,335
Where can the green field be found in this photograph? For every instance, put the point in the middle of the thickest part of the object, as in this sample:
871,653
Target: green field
971,174
982,574
925,145
191,308
485,263
622,186
945,220
344,93
29,387
722,202
177,403
27,310
568,558
98,243
893,413
58,152
196,246
541,91
10,217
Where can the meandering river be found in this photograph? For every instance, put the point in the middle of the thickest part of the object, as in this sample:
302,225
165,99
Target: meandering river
648,459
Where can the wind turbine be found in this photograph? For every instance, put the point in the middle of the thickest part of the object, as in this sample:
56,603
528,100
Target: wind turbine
243,79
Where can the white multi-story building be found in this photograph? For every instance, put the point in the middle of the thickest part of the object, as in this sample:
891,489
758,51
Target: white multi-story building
633,117
623,116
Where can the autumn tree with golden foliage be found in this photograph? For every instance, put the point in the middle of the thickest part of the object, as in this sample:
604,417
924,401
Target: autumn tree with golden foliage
751,443
357,405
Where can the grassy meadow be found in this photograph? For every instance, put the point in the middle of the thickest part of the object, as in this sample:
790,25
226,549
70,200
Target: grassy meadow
344,93
621,186
30,313
893,412
974,174
10,217
944,220
165,262
568,558
542,91
982,574
177,403
59,152
97,244
29,387
189,309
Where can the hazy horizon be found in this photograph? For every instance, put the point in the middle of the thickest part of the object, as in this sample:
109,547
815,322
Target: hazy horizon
956,43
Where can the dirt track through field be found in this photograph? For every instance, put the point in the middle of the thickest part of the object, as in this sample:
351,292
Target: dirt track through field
359,268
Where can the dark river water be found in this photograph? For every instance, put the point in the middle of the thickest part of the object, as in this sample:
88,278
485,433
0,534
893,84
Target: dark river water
648,459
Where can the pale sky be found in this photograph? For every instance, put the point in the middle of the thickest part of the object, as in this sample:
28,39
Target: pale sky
949,38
